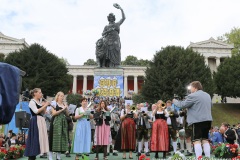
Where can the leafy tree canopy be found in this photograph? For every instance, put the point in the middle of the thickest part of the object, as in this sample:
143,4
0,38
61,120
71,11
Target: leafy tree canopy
90,62
227,77
233,37
133,61
173,68
74,99
2,57
43,69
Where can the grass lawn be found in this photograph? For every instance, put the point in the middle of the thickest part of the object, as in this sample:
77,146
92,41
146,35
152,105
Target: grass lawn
228,112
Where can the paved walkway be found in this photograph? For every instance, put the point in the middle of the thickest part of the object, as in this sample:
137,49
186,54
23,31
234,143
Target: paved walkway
111,157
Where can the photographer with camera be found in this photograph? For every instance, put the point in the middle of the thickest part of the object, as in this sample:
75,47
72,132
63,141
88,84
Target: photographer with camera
199,115
143,127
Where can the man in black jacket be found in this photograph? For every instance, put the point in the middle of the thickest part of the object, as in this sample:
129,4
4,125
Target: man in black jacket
229,134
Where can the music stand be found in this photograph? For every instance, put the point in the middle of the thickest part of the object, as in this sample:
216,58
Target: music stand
22,119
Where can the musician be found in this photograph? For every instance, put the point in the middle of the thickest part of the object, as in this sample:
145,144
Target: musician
160,135
172,123
143,126
37,141
58,134
82,134
185,133
199,104
114,125
128,131
102,132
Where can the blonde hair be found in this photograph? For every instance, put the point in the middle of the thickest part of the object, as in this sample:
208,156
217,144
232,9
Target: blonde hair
35,90
57,95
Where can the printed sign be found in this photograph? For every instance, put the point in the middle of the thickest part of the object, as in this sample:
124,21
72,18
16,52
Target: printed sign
109,86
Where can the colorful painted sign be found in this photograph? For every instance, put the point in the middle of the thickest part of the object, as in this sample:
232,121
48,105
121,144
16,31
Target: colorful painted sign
109,86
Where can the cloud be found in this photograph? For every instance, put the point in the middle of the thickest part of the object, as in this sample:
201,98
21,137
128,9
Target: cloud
70,28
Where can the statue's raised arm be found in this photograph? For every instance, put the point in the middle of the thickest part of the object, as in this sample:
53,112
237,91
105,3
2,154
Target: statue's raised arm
123,14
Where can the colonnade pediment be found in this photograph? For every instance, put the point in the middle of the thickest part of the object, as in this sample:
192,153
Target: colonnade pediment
211,43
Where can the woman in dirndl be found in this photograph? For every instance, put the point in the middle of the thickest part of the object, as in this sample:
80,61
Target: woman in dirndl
160,136
102,132
82,131
58,134
37,141
128,131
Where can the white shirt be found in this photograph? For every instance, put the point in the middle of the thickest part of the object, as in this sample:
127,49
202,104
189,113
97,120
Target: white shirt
33,106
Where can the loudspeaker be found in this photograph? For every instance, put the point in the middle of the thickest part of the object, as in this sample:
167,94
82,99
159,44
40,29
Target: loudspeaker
22,119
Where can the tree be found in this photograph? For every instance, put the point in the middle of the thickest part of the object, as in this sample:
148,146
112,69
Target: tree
171,71
138,98
143,62
90,62
130,60
74,99
233,37
133,61
227,77
2,57
43,69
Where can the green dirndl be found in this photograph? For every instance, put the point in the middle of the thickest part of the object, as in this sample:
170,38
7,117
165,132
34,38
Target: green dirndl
60,134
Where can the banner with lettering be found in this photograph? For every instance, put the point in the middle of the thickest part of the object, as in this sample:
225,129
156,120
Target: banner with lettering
109,86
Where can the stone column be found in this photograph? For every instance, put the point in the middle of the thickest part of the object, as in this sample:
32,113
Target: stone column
84,83
206,61
217,61
125,86
135,85
74,87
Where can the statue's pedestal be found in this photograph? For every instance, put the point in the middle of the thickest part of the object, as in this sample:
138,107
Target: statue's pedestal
108,71
108,81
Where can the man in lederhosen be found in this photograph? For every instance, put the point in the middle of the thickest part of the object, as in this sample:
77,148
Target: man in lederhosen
143,127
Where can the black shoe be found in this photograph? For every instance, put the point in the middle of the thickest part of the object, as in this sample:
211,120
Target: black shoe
68,155
168,154
138,154
43,156
182,151
188,154
147,154
115,154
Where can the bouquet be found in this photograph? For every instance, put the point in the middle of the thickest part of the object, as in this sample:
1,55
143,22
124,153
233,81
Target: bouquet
3,153
88,92
94,91
14,152
225,150
143,157
177,156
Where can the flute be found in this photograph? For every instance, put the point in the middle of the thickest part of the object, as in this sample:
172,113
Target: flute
43,99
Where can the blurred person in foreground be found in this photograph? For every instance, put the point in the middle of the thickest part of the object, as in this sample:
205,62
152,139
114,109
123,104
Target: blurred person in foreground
199,115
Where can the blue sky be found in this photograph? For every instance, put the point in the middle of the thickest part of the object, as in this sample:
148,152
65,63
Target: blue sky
70,28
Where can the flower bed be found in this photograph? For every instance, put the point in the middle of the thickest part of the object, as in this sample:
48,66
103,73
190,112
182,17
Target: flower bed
225,150
14,152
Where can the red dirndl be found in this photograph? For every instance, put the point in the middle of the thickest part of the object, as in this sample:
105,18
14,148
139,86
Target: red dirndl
128,135
160,136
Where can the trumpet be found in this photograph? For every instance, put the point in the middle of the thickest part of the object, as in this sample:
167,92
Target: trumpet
163,106
133,108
